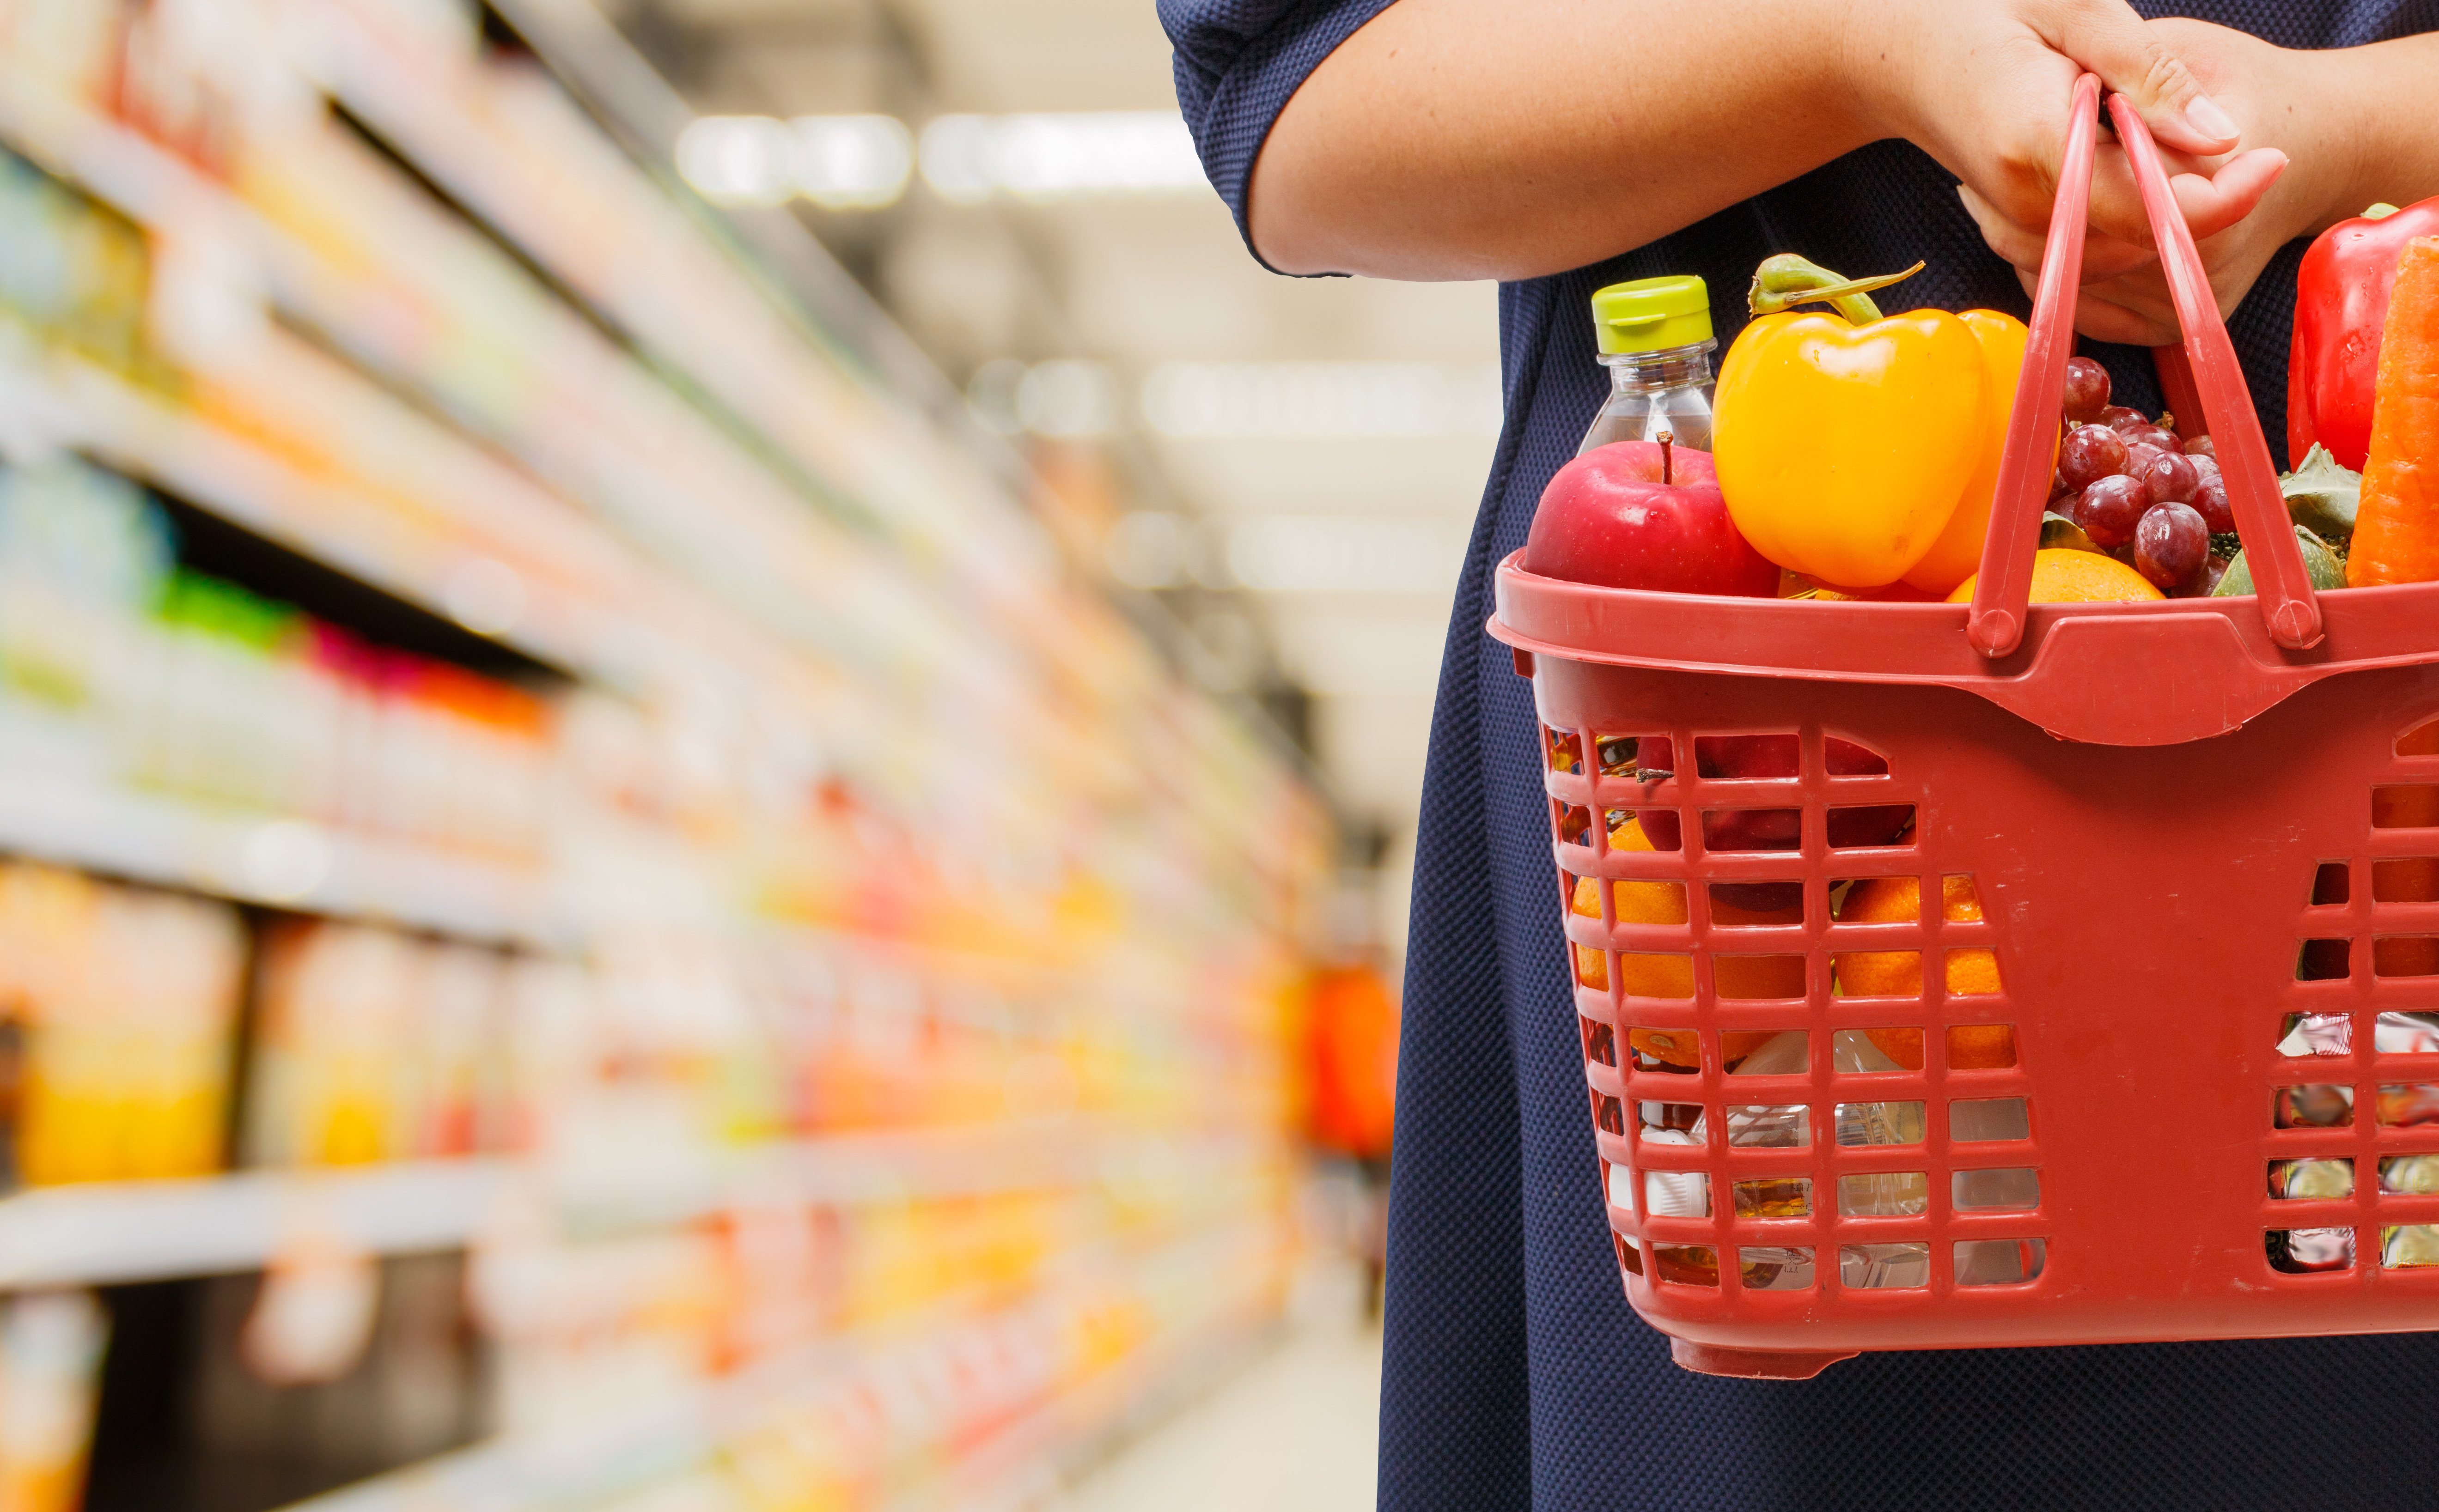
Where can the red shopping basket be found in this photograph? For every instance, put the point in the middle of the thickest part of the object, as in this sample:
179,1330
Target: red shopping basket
2203,834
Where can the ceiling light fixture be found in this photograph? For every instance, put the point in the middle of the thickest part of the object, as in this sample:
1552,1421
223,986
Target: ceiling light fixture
838,162
970,158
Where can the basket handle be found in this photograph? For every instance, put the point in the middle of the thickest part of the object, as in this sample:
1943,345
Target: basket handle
1996,621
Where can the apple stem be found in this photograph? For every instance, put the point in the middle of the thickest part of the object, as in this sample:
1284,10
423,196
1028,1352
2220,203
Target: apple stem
1667,439
1785,280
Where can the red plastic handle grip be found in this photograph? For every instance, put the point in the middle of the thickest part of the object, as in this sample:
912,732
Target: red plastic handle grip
1996,621
2287,605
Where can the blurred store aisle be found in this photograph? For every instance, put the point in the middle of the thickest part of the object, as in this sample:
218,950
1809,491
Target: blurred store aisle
1298,1430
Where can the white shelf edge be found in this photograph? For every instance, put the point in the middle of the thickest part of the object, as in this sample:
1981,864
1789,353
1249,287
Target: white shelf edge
149,1231
154,838
107,1232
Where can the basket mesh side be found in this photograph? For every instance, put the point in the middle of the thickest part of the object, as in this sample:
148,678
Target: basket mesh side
1763,1137
2351,1147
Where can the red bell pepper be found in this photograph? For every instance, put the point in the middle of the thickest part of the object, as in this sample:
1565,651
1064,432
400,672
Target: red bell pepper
2341,302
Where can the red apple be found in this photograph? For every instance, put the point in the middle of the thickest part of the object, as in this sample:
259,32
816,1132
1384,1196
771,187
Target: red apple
1607,519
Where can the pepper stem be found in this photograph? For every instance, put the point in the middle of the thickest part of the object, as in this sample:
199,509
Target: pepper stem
1668,440
1785,280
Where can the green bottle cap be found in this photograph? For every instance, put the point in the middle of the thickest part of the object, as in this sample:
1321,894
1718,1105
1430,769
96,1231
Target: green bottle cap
1652,314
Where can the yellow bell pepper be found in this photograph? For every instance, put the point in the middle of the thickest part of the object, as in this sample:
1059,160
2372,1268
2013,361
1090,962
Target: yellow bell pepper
1957,553
1860,450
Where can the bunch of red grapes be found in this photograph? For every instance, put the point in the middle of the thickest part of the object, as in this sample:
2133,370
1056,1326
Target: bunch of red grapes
2143,496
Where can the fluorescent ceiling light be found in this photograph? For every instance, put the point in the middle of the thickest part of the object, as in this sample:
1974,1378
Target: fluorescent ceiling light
853,162
839,162
739,159
970,158
1199,401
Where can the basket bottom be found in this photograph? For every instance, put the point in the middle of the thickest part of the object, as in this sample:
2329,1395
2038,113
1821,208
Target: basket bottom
1755,1364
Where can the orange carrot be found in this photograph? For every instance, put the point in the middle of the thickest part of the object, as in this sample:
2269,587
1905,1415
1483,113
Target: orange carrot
2396,528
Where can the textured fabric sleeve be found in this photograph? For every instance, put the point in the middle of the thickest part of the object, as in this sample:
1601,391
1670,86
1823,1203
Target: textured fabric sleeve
1238,63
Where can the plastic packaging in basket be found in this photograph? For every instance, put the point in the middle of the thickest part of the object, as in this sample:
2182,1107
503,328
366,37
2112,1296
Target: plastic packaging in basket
2175,1075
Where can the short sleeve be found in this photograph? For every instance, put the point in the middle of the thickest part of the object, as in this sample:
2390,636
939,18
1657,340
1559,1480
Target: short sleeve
1238,63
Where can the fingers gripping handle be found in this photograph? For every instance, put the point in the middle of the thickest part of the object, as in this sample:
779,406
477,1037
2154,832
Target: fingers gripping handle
2287,605
1996,622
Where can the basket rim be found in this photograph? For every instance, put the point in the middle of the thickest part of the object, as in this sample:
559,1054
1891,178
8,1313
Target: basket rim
2208,665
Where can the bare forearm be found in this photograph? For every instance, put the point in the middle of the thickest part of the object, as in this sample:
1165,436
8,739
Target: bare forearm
1511,138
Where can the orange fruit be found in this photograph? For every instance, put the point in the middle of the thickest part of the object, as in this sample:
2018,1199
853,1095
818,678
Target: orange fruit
1672,975
1981,1046
1899,973
1971,1046
1904,1046
2063,576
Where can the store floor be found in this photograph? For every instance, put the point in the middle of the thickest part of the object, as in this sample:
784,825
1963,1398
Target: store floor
1296,1431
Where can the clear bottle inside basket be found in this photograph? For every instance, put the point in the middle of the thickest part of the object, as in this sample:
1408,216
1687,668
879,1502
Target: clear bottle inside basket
1772,1126
1877,1193
1655,340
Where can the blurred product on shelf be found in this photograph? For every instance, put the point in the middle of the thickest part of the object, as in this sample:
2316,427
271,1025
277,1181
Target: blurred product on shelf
314,1314
51,1363
1351,1029
374,1045
122,1007
1350,1066
73,271
118,661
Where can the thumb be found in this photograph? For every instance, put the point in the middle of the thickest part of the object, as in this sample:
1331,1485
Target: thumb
2106,37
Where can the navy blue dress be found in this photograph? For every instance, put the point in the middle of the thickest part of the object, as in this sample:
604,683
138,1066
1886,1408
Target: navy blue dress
1516,1375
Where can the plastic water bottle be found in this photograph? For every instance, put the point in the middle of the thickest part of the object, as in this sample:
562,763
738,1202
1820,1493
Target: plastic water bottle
1883,1193
1772,1126
1655,340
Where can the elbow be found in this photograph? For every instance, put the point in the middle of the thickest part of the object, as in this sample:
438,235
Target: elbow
1289,220
1332,192
1330,186
1315,210
1360,175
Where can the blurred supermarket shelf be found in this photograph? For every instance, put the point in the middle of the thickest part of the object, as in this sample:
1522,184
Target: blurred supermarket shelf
257,858
1022,1389
114,1231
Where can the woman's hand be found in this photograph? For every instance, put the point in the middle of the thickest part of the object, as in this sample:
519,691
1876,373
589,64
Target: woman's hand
2283,99
2348,120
